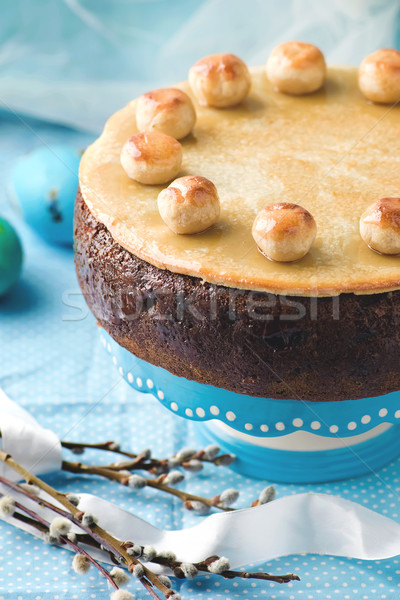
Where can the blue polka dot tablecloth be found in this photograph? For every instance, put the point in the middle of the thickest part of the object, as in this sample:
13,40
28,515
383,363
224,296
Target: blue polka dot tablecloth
52,362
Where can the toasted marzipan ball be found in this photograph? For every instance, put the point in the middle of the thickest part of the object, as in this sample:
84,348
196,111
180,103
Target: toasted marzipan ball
284,232
168,110
220,80
380,226
379,76
151,157
189,204
296,68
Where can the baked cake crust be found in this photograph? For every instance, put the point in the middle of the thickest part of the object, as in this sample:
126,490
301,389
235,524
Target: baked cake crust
248,342
332,152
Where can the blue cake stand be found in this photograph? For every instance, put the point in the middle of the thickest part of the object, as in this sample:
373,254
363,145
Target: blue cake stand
280,440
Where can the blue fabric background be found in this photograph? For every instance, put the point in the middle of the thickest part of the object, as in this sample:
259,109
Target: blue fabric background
77,61
51,360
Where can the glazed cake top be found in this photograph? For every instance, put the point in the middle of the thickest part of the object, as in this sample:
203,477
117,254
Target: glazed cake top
332,152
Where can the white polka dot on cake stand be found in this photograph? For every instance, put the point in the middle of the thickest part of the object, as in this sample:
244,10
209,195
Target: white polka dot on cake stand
315,425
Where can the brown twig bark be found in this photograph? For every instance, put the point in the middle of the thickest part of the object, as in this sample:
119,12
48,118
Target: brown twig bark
113,475
34,520
75,515
159,465
117,548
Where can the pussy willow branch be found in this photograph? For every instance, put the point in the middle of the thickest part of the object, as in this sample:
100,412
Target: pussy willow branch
151,464
94,562
175,565
29,520
113,475
114,546
104,539
172,564
36,521
43,526
74,514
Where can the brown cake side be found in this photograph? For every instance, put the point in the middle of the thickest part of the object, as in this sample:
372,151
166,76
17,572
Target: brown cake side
260,344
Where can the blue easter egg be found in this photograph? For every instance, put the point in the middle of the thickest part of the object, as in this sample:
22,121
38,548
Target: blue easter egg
10,256
45,183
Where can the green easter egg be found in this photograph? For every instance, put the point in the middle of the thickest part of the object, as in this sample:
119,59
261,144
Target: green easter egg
10,256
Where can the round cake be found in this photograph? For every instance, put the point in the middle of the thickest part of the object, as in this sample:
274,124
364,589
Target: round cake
209,304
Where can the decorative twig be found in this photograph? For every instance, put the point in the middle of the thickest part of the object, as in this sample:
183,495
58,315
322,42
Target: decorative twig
127,553
179,568
146,462
186,458
33,522
190,501
36,521
78,518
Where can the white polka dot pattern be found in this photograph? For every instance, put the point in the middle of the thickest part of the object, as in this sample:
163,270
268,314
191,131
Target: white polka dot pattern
230,416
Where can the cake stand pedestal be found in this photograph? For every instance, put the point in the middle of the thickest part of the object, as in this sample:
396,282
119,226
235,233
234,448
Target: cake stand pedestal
304,457
281,440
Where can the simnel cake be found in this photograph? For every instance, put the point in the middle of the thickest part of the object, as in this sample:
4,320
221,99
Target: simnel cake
242,229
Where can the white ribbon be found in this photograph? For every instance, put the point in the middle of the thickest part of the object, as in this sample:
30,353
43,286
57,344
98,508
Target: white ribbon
300,524
303,523
38,449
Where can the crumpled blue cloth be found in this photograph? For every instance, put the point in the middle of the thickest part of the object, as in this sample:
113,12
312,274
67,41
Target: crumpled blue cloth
77,61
